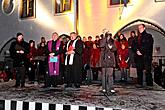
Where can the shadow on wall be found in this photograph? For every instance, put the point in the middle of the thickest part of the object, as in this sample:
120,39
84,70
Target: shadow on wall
3,46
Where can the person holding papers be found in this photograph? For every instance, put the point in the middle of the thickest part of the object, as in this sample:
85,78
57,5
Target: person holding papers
18,52
53,51
73,61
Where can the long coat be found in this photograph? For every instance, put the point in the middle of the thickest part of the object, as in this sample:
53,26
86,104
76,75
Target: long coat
107,54
123,54
73,72
131,53
145,46
56,48
19,59
95,58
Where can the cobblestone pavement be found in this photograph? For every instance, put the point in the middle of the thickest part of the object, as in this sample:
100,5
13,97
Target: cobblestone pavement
127,96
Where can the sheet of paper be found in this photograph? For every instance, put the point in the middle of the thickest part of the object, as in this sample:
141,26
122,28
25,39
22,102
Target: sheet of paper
53,59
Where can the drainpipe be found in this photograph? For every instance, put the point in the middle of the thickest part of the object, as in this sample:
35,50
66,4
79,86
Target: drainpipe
76,13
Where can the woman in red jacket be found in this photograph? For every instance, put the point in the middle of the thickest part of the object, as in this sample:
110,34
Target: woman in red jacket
95,61
123,54
31,64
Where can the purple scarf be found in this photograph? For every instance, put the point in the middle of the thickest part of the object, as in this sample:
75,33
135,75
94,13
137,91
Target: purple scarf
54,66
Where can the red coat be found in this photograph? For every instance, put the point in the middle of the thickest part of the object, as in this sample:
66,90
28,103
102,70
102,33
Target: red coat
123,57
95,57
85,56
117,43
32,53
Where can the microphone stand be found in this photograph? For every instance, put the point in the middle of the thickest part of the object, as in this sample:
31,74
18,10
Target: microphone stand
104,91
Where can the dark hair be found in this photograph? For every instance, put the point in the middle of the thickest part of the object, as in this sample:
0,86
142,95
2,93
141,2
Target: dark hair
54,33
68,37
124,38
73,33
19,33
31,41
79,37
143,25
108,34
89,37
97,36
133,32
42,37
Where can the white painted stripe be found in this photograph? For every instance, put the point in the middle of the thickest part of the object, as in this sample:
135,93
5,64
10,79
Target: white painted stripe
59,107
7,104
31,105
45,106
19,105
108,109
90,108
74,107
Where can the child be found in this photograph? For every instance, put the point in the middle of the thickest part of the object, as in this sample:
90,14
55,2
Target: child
123,61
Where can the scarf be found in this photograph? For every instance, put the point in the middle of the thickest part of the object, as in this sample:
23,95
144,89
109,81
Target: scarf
71,55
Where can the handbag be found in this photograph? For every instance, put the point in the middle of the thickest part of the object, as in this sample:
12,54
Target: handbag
133,72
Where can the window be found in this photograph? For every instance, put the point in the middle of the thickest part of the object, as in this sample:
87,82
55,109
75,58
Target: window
62,6
27,9
8,6
117,2
159,0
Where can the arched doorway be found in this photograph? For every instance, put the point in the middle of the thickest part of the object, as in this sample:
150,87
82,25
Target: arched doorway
157,32
149,24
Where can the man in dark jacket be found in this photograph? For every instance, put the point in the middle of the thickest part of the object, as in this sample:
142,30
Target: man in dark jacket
131,53
143,48
18,52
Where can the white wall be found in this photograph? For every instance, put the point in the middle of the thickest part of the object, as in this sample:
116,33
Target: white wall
95,16
43,25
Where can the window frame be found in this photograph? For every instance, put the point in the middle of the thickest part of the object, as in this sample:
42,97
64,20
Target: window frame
63,11
28,9
110,4
159,0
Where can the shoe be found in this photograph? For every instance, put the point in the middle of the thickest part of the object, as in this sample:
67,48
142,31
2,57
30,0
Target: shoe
139,86
31,82
68,85
149,87
112,91
44,86
22,86
15,86
103,91
77,85
54,85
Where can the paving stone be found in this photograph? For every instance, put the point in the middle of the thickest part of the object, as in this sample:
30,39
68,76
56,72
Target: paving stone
127,96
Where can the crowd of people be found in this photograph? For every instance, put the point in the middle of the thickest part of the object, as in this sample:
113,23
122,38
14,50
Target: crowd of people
68,61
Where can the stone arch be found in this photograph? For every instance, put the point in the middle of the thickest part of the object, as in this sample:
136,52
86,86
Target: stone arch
156,26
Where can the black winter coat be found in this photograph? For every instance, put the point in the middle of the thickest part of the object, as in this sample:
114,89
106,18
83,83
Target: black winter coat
19,59
145,46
